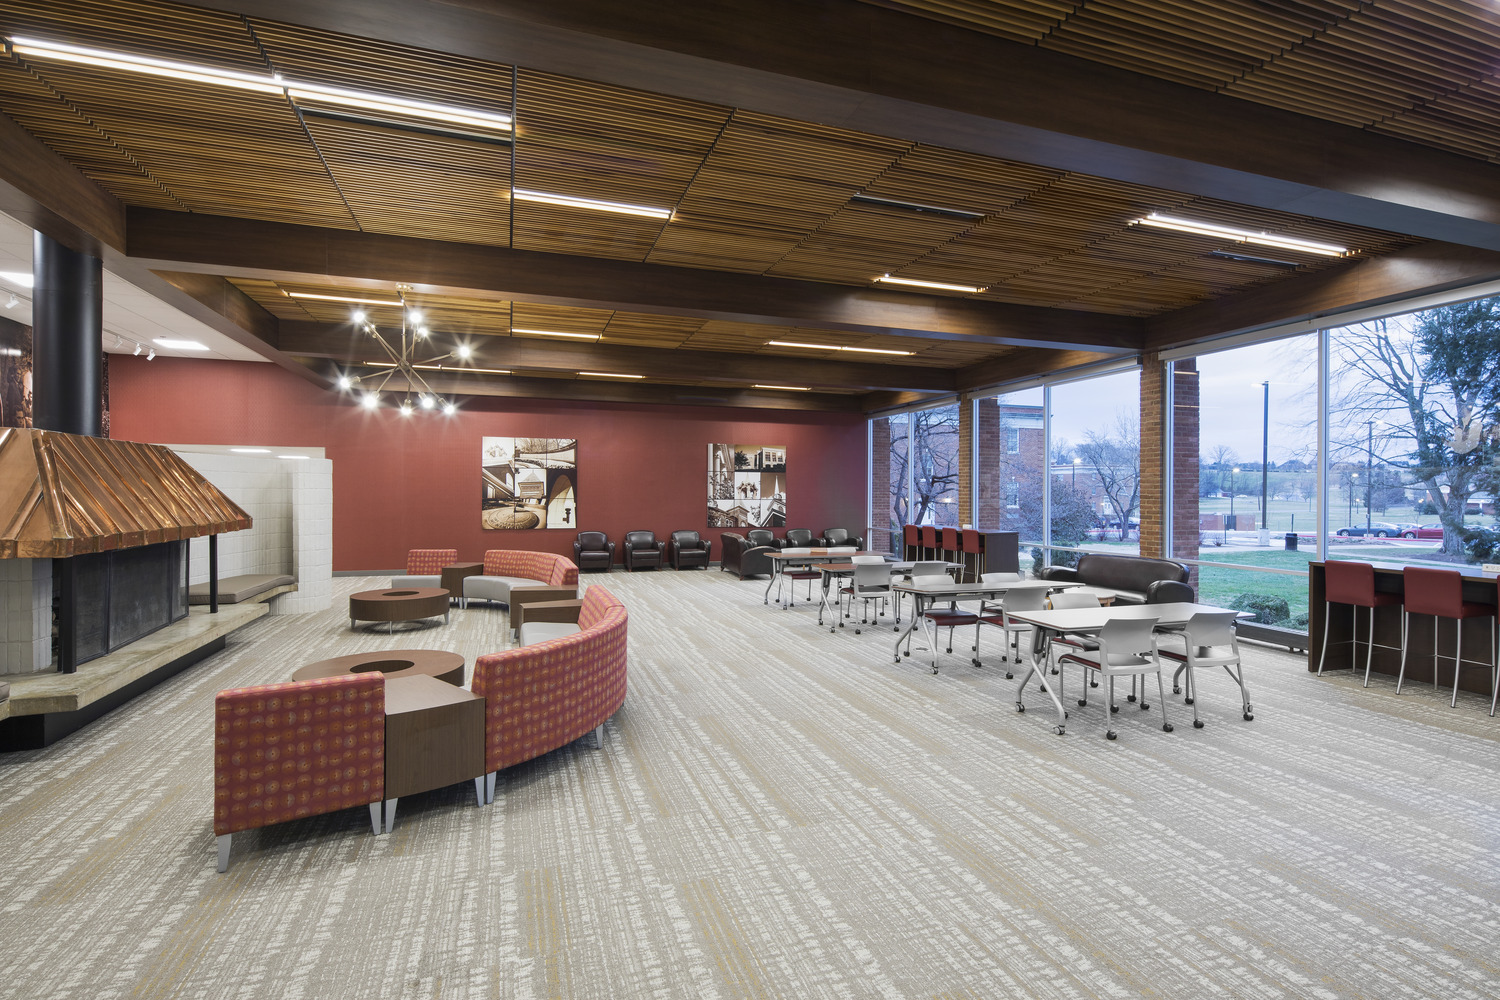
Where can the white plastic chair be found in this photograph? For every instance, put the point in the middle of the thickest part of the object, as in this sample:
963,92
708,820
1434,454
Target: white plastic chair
1063,601
1127,647
871,582
1030,599
921,569
1209,641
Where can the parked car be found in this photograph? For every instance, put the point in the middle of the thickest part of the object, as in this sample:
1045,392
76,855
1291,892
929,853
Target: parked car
1378,529
1422,531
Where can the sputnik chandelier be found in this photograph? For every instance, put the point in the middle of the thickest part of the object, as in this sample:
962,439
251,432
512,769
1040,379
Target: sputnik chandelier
416,393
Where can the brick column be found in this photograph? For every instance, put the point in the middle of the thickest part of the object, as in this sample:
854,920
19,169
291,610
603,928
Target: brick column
1185,464
988,497
965,461
1153,439
880,485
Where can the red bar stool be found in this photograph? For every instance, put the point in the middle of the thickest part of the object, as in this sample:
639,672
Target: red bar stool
1440,593
909,541
950,544
972,544
929,542
1353,583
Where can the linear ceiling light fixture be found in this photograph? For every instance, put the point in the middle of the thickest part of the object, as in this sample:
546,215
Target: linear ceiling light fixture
915,206
1160,221
941,286
568,201
22,279
788,388
263,83
609,375
833,347
556,333
393,303
173,344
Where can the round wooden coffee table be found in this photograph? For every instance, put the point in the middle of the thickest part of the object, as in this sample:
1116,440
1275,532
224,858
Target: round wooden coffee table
439,663
405,604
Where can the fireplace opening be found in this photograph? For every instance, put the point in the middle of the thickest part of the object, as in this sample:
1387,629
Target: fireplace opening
120,596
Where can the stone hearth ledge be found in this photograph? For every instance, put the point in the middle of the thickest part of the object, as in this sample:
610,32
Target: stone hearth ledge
38,694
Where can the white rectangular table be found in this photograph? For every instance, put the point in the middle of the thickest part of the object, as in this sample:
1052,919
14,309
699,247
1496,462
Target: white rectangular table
1090,621
781,561
927,595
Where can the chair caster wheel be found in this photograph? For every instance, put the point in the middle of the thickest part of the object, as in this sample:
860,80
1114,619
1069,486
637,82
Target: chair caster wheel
1176,689
1197,723
934,669
1110,735
907,653
1009,676
1130,697
1144,706
1166,727
1249,716
976,662
1093,684
1059,730
1187,701
950,649
1020,708
1083,703
1114,708
856,631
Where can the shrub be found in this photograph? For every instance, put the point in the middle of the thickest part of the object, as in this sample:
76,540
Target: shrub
1298,621
1268,610
1482,543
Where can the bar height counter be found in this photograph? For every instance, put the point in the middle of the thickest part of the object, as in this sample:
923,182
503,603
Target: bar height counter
1389,579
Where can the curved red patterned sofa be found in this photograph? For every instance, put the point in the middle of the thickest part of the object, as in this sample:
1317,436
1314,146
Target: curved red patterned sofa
544,696
517,569
284,751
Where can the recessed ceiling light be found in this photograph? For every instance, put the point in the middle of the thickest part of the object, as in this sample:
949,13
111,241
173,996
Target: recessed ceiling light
261,83
172,344
296,458
20,278
944,286
344,298
1160,221
789,388
251,451
609,375
556,333
834,347
598,206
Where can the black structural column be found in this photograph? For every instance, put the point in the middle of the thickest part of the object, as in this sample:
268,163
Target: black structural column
68,320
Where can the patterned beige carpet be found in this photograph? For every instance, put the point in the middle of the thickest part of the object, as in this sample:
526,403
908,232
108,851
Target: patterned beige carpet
780,812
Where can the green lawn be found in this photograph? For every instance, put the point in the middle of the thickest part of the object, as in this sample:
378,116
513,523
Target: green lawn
1220,586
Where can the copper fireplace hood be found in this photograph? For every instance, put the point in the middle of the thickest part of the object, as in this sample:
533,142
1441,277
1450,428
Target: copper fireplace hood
64,495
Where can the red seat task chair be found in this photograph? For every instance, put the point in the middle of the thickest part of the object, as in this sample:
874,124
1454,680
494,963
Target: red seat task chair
910,540
1440,593
1353,583
285,751
971,543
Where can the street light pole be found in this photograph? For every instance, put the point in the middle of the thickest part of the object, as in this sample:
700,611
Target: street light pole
1369,459
1075,474
1265,455
1353,482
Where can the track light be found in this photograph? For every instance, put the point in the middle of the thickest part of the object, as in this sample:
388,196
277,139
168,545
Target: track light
137,351
11,302
151,354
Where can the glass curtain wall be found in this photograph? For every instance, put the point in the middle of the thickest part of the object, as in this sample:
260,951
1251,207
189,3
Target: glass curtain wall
1414,437
1010,463
935,447
1095,453
890,481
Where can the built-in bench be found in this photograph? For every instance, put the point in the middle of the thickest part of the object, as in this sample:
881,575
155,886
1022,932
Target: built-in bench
249,588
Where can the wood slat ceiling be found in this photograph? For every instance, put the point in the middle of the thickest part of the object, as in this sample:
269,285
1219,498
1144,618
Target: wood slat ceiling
1422,70
468,318
752,193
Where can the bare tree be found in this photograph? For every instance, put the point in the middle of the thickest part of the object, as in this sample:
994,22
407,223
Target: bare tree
1222,457
934,444
1115,458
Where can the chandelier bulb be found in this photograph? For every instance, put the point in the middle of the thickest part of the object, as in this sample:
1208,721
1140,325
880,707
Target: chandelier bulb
449,409
464,351
359,316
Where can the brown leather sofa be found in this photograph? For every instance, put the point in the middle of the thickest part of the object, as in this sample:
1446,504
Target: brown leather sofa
687,549
594,550
1136,579
642,550
743,559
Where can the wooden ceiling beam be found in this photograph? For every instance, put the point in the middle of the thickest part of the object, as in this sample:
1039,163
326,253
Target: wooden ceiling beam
514,386
342,344
1428,269
858,66
180,241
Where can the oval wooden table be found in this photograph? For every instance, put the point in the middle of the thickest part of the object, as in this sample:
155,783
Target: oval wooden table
406,604
393,663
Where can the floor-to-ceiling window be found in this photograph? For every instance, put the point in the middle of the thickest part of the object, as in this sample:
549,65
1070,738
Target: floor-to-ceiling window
890,480
1095,463
935,447
1010,462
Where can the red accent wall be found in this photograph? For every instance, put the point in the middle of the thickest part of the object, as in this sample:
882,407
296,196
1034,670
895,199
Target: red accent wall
403,483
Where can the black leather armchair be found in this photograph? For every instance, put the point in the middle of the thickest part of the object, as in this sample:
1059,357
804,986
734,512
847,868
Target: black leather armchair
688,549
642,549
762,536
742,558
838,536
797,538
594,550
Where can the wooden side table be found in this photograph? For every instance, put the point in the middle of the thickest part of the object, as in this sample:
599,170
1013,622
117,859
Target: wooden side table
434,737
453,578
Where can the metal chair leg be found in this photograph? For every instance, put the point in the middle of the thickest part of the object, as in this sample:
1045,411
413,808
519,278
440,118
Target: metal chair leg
1161,692
1458,662
1323,656
375,817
